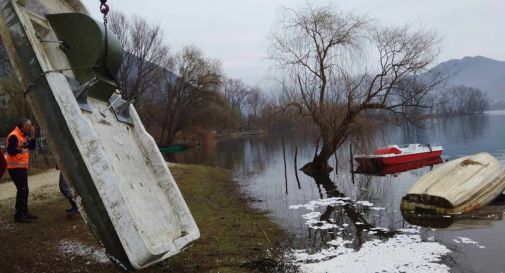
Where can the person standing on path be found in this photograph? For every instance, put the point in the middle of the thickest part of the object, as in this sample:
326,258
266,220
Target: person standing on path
65,190
3,163
18,144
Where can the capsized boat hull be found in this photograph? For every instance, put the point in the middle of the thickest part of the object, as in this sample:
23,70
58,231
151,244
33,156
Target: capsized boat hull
457,186
126,192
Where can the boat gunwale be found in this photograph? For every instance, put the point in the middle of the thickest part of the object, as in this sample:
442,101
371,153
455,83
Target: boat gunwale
404,151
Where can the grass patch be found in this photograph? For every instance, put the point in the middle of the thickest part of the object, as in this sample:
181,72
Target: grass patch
234,237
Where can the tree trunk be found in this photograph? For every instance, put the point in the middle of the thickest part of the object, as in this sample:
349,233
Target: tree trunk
319,164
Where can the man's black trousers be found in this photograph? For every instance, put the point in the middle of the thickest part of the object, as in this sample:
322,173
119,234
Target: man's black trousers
20,179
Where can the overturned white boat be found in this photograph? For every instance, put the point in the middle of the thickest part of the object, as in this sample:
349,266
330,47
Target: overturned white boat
458,186
130,199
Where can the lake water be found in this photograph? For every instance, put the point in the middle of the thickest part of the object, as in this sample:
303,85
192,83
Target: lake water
359,220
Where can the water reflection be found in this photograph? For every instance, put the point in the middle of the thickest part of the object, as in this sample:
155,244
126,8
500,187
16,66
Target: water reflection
258,165
398,168
481,218
346,212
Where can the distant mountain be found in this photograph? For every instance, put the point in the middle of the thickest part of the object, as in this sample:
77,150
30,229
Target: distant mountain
480,72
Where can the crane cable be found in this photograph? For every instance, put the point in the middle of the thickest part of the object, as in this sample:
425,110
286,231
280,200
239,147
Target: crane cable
104,9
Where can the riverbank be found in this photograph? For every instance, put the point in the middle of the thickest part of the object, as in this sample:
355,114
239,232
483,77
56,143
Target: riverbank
234,237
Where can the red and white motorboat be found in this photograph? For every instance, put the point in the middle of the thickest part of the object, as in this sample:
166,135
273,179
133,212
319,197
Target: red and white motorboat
400,154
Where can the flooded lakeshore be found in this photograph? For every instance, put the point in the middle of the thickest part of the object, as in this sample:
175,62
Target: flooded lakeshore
354,210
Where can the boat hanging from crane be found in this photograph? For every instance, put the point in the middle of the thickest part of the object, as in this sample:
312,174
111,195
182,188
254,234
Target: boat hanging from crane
66,62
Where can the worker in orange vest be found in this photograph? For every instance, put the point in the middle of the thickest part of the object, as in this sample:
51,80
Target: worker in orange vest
3,164
18,144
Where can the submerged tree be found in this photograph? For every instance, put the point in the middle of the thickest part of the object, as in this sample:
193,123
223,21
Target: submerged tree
335,68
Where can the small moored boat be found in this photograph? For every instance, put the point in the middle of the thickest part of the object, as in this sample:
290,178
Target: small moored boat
177,148
458,186
400,154
398,168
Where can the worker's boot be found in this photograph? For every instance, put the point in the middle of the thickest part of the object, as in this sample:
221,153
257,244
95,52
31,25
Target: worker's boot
26,213
21,218
73,208
72,212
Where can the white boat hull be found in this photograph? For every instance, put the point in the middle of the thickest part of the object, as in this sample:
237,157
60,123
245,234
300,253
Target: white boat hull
458,186
126,191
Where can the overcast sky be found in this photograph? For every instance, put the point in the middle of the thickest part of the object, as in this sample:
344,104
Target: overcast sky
236,31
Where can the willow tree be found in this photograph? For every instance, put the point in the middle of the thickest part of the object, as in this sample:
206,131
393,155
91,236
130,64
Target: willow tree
337,68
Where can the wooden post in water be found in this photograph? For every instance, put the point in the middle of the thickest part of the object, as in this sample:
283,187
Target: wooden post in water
336,163
317,146
352,162
296,168
285,166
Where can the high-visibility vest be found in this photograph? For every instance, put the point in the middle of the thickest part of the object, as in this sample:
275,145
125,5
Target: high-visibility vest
20,160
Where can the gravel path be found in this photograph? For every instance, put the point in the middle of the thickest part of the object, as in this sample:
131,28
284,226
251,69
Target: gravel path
43,182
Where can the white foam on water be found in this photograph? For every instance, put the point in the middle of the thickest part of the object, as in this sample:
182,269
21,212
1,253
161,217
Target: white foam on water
380,229
405,252
334,201
467,241
413,230
311,215
323,225
402,253
79,249
364,203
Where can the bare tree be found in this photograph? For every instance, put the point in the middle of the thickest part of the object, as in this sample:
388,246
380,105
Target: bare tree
144,53
236,93
329,74
462,100
254,103
191,89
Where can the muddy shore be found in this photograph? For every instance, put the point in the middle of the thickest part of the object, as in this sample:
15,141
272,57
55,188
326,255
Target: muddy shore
234,236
